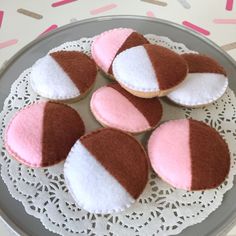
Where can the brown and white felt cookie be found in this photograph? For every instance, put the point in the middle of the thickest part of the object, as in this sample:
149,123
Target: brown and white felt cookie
114,107
189,154
106,171
149,70
43,133
205,83
107,45
63,75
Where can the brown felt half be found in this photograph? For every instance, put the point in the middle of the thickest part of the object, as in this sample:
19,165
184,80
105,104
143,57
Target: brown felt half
150,108
62,126
134,39
121,155
203,64
78,66
210,158
170,68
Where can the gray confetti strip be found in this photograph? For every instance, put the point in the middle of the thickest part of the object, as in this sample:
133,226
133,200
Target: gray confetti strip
156,2
72,20
30,13
185,4
230,46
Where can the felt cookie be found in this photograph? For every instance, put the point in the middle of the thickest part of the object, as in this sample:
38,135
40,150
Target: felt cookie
149,70
205,83
107,45
189,154
114,107
43,133
63,75
106,171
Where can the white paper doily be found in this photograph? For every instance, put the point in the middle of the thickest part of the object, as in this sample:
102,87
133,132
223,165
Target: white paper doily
161,210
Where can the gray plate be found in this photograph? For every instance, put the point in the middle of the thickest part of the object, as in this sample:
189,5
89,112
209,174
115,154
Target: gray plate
11,210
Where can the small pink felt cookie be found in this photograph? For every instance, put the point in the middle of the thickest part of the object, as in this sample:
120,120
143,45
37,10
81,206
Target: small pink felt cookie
189,154
107,45
114,107
43,133
149,70
205,83
106,171
63,75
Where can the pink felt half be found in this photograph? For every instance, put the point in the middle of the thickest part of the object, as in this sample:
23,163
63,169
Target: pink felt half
169,153
24,135
106,45
114,110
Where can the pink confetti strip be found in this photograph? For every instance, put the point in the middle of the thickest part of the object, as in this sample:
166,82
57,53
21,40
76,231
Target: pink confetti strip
229,5
52,27
103,9
8,43
196,28
1,17
63,2
150,14
224,21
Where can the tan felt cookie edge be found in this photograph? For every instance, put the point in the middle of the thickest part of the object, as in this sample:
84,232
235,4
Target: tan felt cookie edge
148,94
105,74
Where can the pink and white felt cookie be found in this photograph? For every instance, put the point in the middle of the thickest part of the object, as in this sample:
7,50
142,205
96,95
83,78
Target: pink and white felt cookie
43,133
114,107
149,70
106,171
205,83
63,75
107,45
189,154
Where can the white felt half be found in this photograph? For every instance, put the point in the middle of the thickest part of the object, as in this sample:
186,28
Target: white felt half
49,80
199,89
91,185
133,69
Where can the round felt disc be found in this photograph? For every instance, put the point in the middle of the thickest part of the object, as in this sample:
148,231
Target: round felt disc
106,171
110,43
149,70
114,107
63,75
189,154
43,133
205,83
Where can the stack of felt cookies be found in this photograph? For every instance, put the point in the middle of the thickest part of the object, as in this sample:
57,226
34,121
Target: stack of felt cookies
107,170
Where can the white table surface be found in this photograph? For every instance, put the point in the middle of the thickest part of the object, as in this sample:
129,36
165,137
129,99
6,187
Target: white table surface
22,29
